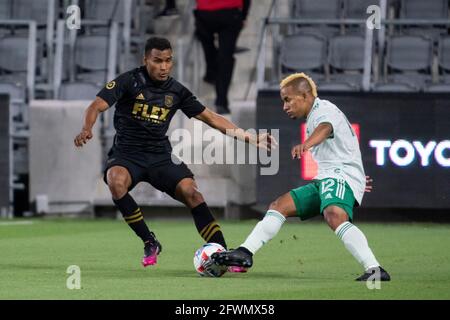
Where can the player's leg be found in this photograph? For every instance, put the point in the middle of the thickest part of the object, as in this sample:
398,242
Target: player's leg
177,180
119,181
187,192
303,202
352,237
263,232
204,30
270,225
355,242
337,204
231,22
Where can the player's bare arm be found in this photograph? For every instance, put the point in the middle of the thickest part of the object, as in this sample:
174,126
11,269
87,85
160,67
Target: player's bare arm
216,121
90,117
322,132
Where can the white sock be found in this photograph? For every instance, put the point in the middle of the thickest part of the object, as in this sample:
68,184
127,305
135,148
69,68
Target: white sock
355,241
264,231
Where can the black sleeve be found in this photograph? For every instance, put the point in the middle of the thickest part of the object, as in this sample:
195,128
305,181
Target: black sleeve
189,104
115,89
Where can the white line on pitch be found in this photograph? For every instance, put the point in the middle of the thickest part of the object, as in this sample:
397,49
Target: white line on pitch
15,223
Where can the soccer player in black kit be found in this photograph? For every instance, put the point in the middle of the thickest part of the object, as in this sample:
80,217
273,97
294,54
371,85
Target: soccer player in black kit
146,100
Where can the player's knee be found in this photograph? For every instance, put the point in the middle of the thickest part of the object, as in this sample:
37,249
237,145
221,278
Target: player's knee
117,186
330,214
192,196
273,205
277,206
334,216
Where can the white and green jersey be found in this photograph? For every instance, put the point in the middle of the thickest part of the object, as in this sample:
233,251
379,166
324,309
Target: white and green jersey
337,156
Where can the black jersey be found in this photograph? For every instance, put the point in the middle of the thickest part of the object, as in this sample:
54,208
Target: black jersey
144,109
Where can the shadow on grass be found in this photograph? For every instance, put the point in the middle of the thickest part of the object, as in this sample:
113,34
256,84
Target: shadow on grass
159,273
303,276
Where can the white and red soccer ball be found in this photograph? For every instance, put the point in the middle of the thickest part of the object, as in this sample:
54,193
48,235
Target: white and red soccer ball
203,255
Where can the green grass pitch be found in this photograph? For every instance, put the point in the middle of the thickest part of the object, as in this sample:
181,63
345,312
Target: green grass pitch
305,261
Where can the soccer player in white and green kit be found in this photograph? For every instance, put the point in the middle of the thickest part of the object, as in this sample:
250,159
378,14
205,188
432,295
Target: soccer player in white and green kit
338,187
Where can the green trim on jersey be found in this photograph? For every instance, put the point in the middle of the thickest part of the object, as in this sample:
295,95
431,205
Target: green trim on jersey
310,200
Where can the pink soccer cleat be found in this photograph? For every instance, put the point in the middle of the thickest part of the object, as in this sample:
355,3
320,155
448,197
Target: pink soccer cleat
151,251
149,261
236,269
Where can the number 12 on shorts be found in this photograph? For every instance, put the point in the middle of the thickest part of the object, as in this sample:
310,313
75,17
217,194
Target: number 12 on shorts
328,185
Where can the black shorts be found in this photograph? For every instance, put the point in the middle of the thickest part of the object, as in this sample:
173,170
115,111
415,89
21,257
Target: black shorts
158,169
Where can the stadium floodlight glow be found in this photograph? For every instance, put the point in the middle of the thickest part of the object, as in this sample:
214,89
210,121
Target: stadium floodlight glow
410,150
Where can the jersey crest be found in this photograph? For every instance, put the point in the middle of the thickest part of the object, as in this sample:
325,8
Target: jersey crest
110,85
168,101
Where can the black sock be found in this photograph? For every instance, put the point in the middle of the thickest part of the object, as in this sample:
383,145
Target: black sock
133,216
207,227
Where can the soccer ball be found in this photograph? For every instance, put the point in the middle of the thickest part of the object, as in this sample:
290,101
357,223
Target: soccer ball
203,255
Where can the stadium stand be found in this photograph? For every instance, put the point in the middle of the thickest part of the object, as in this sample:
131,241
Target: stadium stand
304,53
93,63
127,14
346,59
91,58
356,9
318,9
417,9
41,58
19,65
428,10
402,55
17,95
38,63
44,13
408,63
78,90
105,10
14,53
443,58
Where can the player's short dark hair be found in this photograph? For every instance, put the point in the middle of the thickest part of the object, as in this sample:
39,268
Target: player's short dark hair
157,43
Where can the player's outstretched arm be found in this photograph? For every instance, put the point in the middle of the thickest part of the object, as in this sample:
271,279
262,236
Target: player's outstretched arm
227,127
322,132
90,116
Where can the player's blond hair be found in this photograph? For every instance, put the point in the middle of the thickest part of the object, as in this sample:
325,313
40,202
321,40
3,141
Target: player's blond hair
302,75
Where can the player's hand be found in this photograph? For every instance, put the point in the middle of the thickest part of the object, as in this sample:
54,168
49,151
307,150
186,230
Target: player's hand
298,151
265,141
369,187
82,137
